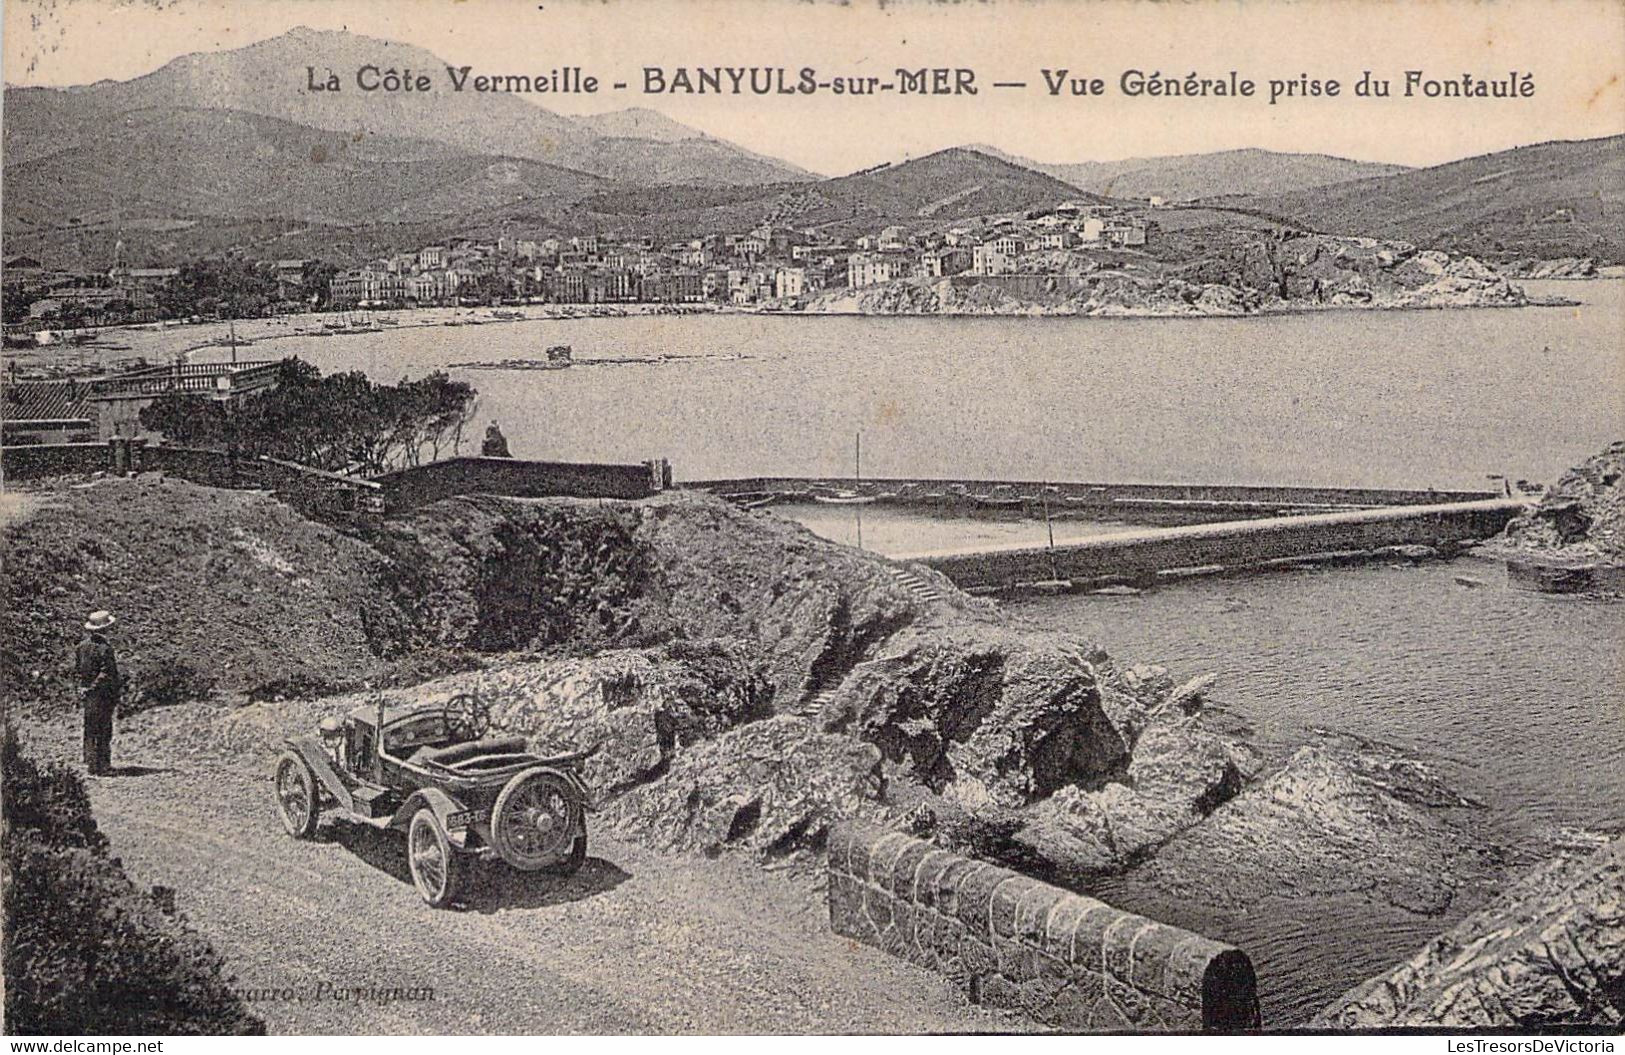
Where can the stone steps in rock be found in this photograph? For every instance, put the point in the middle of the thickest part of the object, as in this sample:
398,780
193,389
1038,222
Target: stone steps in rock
917,587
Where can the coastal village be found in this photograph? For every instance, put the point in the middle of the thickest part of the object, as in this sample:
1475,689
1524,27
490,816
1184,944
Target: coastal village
60,397
769,265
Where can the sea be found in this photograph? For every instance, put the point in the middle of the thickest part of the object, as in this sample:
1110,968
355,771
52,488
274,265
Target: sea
1514,697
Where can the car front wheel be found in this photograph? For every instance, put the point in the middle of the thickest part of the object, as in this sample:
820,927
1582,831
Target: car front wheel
437,870
296,800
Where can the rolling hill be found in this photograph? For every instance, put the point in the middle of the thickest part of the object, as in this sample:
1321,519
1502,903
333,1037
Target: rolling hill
174,162
934,189
1549,200
269,79
1187,177
174,182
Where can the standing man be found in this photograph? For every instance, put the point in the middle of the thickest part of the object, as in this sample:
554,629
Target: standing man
99,685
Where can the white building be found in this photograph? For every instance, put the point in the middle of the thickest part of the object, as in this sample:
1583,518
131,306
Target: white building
867,269
1008,245
989,260
789,282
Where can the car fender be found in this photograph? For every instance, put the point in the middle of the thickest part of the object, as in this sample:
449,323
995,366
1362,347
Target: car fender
570,778
321,764
435,799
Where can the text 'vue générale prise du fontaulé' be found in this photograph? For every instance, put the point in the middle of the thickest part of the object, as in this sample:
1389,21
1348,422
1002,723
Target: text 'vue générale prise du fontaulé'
957,81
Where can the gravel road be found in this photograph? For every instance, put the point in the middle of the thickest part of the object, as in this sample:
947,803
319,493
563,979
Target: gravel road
636,942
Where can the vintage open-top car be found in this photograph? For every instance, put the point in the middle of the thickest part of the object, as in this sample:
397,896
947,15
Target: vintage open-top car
459,794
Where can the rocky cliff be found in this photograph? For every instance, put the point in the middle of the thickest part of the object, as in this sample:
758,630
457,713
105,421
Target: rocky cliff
1550,951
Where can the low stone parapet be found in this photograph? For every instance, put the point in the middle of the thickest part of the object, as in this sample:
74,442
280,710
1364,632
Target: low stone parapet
1016,942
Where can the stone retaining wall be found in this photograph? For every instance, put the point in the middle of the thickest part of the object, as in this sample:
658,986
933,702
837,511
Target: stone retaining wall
1015,942
407,489
40,461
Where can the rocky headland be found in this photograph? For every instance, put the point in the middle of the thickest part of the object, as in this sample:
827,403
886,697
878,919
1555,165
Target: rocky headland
1287,271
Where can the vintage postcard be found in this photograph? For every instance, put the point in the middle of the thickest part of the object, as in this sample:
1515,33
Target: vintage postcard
884,517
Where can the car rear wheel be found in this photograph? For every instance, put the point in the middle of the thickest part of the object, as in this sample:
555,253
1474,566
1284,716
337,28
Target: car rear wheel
536,820
296,799
437,870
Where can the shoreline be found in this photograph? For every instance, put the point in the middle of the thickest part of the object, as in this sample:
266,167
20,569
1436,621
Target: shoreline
159,343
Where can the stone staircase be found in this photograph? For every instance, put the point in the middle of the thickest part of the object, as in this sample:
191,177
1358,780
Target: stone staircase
813,707
920,588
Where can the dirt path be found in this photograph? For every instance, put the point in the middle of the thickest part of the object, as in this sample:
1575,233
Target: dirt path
636,942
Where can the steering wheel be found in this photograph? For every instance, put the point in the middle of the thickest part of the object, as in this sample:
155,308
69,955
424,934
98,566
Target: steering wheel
469,714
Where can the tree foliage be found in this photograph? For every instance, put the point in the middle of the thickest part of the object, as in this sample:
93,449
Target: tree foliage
229,288
85,951
338,422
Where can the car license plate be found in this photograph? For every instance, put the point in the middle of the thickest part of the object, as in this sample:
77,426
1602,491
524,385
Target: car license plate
460,819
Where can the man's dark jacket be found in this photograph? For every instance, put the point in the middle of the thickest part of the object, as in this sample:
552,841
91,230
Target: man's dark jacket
98,671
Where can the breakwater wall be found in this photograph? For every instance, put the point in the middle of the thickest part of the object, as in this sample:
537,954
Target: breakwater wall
1016,942
1137,502
1142,555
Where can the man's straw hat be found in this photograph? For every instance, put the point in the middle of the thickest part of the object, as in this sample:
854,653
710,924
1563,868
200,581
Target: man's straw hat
100,621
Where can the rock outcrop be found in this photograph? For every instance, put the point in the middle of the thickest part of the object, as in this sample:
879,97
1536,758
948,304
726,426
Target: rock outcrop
773,787
999,716
1550,951
1580,520
1332,820
1175,777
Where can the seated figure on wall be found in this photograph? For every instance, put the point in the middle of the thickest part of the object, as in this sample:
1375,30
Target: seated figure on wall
496,444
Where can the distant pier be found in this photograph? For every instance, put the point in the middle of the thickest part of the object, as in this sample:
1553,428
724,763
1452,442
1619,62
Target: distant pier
1216,528
1134,502
1138,557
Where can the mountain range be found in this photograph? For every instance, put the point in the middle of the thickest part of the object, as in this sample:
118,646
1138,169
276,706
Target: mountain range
1186,177
637,146
199,157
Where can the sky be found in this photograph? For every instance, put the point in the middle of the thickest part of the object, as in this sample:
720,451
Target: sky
1574,49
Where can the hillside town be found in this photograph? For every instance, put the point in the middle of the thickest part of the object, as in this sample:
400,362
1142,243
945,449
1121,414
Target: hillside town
771,264
768,264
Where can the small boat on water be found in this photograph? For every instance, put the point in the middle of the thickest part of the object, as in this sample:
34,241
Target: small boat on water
843,498
508,315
